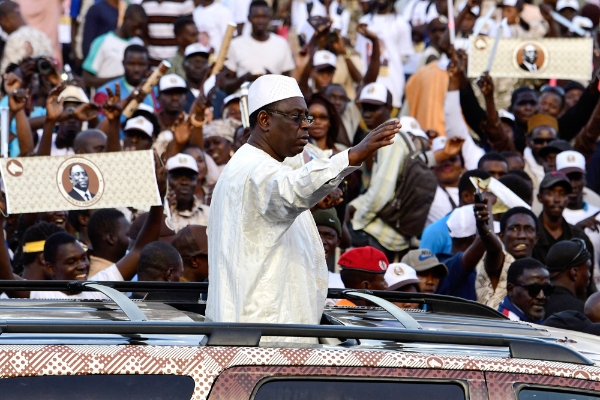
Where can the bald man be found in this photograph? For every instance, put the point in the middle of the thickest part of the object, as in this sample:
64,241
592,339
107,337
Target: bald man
267,262
592,307
90,141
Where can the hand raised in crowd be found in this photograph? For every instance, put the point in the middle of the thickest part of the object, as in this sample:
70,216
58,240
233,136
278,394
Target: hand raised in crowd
486,84
590,223
379,137
452,148
546,11
86,112
363,30
161,175
482,208
17,99
338,47
54,108
12,82
112,106
182,129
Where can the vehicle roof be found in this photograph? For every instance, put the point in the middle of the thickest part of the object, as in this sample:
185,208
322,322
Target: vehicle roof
445,326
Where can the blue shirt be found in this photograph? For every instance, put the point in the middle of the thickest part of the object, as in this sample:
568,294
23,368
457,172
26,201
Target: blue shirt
126,89
458,283
13,147
101,18
436,237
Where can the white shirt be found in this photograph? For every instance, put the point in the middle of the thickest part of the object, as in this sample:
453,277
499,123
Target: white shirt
340,22
105,59
212,22
536,173
441,205
456,127
395,39
247,54
419,12
266,256
111,273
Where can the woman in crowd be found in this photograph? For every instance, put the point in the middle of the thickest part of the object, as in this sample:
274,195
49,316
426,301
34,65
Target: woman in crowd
325,127
218,140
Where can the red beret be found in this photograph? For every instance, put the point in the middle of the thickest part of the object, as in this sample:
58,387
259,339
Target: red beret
367,259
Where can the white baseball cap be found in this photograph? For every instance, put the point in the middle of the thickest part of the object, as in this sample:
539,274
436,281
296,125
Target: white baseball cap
374,93
271,88
461,222
324,59
196,48
171,81
438,143
73,94
562,4
474,10
510,3
570,161
412,126
181,160
146,107
140,124
235,96
398,275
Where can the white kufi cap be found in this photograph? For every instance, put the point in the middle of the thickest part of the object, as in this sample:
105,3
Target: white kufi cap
271,88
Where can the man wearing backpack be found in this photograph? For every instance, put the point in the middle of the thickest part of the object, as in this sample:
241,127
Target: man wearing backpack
395,206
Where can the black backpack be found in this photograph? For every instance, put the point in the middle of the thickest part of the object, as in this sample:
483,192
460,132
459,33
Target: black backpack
415,189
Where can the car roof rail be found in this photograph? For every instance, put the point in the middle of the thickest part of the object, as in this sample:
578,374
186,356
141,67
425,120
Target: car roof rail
401,316
128,307
439,304
247,334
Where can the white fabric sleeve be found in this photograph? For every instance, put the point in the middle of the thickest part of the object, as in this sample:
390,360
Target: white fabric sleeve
111,273
456,127
281,193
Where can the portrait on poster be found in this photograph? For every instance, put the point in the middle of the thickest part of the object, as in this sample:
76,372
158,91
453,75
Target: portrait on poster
80,182
531,57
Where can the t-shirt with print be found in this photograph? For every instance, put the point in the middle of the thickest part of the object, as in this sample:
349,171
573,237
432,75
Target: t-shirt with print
247,54
395,40
111,273
105,59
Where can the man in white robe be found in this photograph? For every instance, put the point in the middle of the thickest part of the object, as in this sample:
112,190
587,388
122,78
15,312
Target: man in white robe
266,258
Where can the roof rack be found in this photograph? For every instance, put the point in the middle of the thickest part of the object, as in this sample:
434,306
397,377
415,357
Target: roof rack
396,312
242,334
439,304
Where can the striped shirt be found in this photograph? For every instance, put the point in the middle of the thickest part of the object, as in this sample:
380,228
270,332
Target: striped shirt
162,44
390,160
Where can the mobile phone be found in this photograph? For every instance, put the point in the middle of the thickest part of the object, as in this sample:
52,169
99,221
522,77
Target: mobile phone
478,198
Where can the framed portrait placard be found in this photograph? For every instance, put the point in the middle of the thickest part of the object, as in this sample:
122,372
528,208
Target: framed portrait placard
536,58
105,180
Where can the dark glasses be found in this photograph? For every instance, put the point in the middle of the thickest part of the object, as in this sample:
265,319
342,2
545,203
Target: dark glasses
539,141
535,289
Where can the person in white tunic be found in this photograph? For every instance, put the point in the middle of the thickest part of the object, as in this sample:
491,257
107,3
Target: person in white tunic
267,263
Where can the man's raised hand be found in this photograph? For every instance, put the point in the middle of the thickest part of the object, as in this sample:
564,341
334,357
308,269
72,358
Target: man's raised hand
379,137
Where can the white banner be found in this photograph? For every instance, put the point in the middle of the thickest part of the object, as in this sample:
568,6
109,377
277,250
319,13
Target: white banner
105,180
541,58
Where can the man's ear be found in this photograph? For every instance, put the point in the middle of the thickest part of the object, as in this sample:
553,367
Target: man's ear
509,288
167,276
263,120
194,261
573,274
50,271
83,219
365,284
110,239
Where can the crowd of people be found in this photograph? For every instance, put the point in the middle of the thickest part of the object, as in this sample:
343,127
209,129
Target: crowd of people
489,191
